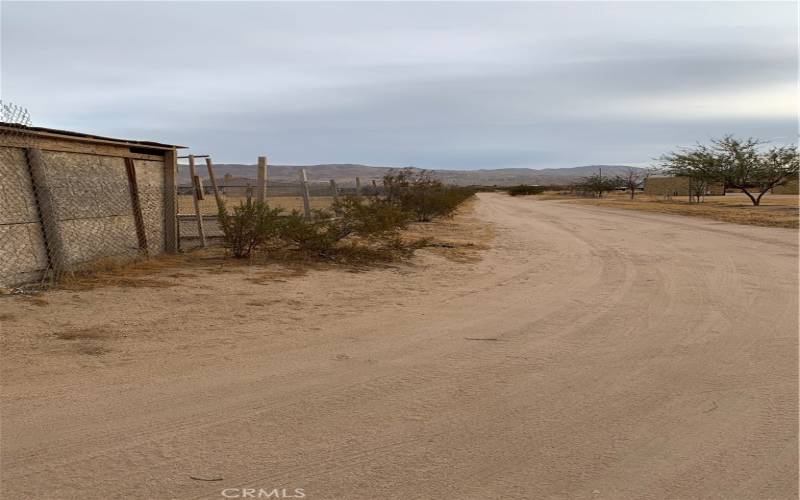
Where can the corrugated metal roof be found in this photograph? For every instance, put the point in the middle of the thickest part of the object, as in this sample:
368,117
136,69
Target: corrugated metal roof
79,136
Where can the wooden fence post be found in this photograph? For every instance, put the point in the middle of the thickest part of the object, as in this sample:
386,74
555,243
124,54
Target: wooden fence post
261,187
196,201
136,204
358,186
210,166
56,252
335,194
306,196
334,191
171,201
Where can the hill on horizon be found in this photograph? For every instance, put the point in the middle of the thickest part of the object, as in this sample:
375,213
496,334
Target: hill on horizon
345,174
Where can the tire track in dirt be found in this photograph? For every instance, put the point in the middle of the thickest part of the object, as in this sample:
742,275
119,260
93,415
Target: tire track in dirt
615,334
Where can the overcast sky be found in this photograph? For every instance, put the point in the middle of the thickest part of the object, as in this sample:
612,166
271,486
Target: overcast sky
435,85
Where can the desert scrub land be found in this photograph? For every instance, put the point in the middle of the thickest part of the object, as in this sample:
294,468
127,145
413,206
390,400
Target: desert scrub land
573,344
774,211
208,205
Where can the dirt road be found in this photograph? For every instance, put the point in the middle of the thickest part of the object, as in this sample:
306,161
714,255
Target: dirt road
592,353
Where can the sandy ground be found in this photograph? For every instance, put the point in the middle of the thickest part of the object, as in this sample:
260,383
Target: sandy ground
591,353
776,210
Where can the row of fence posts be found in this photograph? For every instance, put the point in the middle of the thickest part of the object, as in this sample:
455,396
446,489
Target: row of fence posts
198,190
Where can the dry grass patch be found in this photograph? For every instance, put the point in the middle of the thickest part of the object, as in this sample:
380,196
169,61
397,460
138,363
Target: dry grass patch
463,238
148,272
121,272
7,317
775,211
91,333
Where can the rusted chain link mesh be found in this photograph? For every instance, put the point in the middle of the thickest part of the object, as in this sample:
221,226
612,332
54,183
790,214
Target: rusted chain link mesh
22,252
62,212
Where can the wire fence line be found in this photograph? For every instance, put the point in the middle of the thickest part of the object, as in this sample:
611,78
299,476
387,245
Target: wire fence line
68,200
233,191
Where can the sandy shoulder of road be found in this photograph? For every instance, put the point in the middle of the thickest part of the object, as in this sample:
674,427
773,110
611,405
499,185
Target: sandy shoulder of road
133,317
588,353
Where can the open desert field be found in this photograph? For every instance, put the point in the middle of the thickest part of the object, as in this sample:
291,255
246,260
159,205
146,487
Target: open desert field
576,352
775,210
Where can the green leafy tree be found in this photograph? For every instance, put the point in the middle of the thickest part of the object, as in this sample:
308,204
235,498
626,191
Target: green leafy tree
738,163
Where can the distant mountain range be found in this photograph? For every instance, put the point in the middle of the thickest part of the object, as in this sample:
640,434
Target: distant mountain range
345,174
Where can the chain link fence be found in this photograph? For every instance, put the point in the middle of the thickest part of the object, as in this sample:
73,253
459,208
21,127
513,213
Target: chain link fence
23,255
67,211
288,196
89,203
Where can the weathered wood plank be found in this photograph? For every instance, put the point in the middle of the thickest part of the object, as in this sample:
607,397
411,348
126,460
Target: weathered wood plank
306,195
213,179
261,183
64,146
171,202
138,219
197,212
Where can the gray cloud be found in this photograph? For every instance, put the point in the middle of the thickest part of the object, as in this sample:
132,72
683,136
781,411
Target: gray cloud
440,85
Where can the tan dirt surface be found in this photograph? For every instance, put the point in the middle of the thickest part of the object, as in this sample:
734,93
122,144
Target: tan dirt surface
774,211
591,353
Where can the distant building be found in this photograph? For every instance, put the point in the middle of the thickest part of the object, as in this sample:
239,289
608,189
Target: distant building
677,186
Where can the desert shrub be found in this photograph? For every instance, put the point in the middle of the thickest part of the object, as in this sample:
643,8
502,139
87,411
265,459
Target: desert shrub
371,217
358,230
525,190
451,198
249,226
387,249
417,193
316,236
